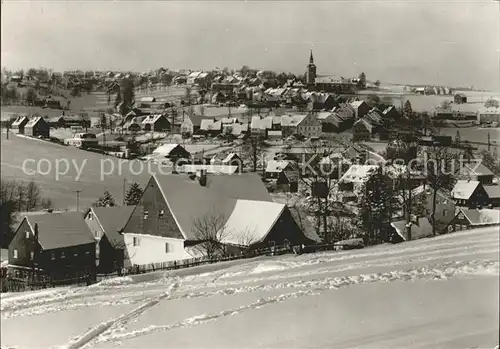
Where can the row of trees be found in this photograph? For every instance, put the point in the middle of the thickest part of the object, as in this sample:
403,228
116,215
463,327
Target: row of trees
16,197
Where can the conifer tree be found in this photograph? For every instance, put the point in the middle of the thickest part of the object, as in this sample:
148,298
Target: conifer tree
106,200
133,195
376,207
407,110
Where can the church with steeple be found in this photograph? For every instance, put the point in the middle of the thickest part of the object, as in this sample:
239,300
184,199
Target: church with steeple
311,71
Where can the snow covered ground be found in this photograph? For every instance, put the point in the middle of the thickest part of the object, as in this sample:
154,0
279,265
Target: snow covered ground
431,293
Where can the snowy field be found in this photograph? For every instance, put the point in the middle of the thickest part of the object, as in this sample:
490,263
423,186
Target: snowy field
431,293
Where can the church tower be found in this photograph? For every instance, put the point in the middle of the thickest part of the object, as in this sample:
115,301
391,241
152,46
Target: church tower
311,71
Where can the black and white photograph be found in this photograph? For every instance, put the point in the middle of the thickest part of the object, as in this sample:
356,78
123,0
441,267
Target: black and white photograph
248,174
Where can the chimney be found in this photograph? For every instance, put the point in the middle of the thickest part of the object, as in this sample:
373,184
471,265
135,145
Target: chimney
203,178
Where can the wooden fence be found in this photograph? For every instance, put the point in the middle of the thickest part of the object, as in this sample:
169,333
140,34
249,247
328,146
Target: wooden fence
193,262
13,284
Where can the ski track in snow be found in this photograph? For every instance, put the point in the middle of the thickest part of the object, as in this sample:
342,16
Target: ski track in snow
46,301
313,287
305,275
67,299
110,325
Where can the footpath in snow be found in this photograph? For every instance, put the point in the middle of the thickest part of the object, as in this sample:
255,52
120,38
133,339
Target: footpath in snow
430,293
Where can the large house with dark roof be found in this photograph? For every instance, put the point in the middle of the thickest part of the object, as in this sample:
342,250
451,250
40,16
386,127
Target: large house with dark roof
467,193
163,225
58,245
106,224
475,171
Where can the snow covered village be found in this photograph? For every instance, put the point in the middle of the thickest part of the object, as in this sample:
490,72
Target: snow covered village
239,175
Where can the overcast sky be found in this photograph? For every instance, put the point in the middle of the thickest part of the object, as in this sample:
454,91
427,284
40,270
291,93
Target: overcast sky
446,42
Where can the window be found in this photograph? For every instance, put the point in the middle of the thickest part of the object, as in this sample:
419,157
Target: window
137,241
146,214
445,212
90,216
167,247
27,234
15,254
53,256
63,255
161,214
32,255
75,254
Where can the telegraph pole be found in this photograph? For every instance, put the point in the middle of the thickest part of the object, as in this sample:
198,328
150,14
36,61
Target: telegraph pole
77,199
124,184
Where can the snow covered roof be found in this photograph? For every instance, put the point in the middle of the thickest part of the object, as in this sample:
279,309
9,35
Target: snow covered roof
209,124
194,74
275,166
33,121
147,99
323,115
261,123
228,120
57,230
274,133
420,230
214,169
421,189
493,191
292,120
199,148
356,104
244,229
165,149
188,200
112,220
478,169
358,173
19,120
478,217
365,123
151,119
464,189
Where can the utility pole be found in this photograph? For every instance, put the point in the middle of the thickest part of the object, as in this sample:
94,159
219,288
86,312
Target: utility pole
489,142
8,128
124,184
409,185
77,199
35,252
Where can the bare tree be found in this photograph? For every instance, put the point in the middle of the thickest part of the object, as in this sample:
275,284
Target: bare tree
245,238
33,198
439,163
320,184
210,230
253,148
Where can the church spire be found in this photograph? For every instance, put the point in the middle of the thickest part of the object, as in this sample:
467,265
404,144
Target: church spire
311,58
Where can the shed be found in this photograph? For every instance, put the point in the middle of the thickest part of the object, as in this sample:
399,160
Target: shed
37,127
19,124
460,98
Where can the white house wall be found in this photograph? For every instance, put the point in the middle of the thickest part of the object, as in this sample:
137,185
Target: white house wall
151,249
